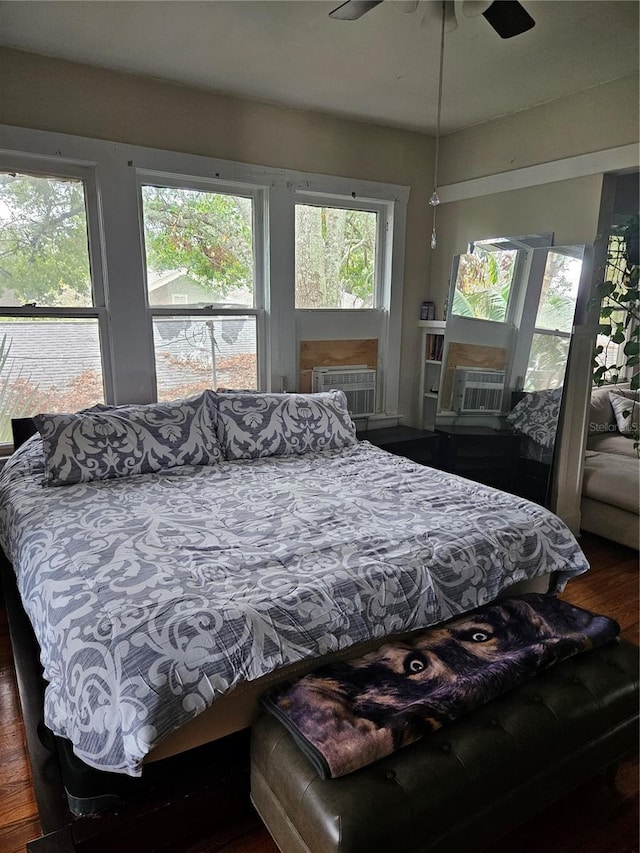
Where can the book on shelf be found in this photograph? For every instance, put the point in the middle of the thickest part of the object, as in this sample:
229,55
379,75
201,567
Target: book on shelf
435,347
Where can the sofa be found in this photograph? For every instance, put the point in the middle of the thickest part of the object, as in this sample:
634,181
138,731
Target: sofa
611,479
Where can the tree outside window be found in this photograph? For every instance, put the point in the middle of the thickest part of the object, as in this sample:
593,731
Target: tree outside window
335,257
199,249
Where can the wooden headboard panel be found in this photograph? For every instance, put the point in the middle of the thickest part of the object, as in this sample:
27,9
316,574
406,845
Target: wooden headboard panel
22,429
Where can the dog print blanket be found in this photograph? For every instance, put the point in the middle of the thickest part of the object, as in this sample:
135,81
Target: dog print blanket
346,715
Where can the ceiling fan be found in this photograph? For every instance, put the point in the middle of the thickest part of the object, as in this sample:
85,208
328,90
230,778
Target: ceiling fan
507,17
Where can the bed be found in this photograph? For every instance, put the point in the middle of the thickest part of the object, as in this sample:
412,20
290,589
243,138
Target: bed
175,559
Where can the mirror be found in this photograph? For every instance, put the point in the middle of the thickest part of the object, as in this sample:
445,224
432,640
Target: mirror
506,345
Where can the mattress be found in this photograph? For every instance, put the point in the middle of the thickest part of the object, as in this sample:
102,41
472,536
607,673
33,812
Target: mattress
153,595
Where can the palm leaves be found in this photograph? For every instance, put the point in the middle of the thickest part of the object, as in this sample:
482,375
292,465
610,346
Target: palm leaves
489,304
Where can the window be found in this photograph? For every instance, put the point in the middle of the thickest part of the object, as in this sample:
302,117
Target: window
199,246
554,321
50,314
336,257
130,274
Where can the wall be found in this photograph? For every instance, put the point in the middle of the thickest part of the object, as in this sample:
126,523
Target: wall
50,94
602,117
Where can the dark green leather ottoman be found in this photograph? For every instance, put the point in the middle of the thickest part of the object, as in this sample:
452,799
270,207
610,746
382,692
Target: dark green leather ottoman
466,784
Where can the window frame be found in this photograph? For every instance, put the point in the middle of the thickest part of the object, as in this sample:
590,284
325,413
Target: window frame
61,168
534,267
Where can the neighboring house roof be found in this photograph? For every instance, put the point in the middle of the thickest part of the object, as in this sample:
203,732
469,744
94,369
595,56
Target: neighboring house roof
156,280
53,360
171,279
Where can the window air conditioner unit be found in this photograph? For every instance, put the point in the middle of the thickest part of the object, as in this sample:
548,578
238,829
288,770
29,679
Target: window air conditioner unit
357,381
477,389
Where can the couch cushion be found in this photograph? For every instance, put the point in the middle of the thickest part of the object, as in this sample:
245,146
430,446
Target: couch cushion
612,442
613,479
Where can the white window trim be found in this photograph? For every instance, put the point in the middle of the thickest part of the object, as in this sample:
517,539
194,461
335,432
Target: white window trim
116,167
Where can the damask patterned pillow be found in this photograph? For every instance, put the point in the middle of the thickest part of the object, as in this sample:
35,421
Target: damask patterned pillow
123,440
253,425
536,416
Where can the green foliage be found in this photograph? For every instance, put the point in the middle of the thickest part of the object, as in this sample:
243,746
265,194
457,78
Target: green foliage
618,296
208,235
490,304
483,284
335,256
357,268
558,295
547,362
43,241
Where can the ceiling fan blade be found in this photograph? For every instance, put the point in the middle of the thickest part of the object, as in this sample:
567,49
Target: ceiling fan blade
353,9
508,18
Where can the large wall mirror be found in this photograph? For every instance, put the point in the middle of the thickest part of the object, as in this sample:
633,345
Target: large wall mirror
511,311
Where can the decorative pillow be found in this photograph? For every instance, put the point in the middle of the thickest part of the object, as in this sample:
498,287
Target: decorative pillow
252,425
123,440
536,416
626,407
601,417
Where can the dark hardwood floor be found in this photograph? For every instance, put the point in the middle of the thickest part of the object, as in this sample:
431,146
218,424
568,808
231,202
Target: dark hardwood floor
594,819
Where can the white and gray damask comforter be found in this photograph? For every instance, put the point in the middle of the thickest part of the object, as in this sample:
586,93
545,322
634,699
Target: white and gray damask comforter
152,595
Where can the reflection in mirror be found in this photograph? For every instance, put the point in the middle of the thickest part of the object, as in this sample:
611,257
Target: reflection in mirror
505,353
483,283
554,319
483,278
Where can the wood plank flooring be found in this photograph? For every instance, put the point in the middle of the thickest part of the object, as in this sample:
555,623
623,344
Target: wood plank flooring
593,819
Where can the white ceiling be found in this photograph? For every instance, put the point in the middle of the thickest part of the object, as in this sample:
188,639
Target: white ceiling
381,68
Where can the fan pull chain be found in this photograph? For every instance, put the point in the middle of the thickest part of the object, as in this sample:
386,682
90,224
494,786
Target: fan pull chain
434,200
